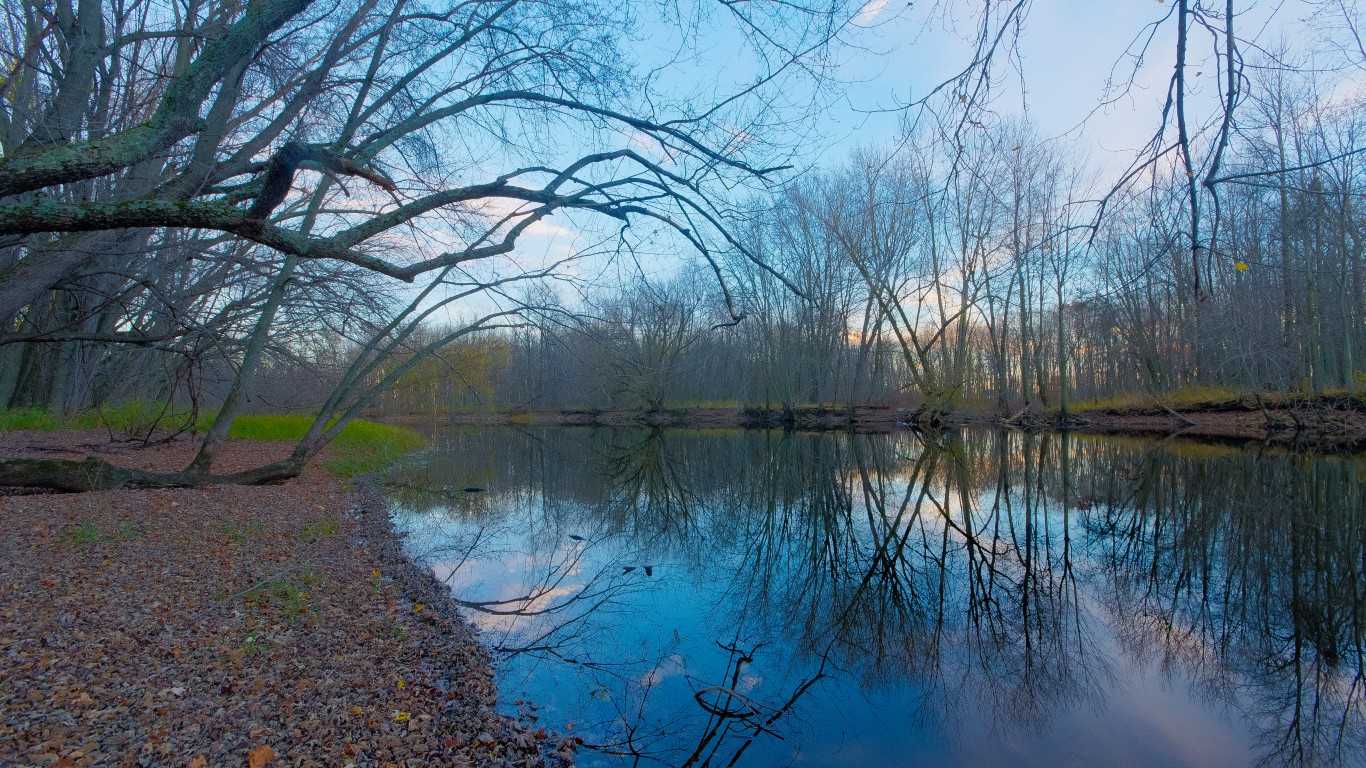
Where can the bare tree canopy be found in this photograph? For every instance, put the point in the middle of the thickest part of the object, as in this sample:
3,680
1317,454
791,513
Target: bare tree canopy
195,176
367,194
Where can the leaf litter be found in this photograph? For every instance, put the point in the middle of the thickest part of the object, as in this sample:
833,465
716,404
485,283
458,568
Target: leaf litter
233,626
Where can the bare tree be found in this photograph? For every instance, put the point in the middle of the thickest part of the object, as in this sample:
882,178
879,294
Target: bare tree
398,141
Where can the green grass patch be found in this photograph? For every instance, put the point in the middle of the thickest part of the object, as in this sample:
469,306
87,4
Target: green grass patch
27,418
1181,399
268,427
125,532
1359,396
1195,398
132,416
82,535
363,446
323,526
86,534
252,644
283,597
233,534
236,535
1200,396
287,597
1112,403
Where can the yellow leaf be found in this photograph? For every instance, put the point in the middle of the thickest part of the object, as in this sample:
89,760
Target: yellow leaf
375,574
400,715
1241,266
400,685
418,608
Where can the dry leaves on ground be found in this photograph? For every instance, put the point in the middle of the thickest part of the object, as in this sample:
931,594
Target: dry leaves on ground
231,626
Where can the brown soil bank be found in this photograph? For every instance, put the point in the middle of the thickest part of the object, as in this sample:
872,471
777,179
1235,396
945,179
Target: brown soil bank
1327,423
238,626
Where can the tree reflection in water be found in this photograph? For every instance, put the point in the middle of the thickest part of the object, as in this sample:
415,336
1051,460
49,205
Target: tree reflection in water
746,598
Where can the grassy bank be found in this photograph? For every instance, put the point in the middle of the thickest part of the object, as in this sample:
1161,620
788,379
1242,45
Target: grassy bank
361,447
129,417
1198,398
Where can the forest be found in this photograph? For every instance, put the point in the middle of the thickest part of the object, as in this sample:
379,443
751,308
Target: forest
349,207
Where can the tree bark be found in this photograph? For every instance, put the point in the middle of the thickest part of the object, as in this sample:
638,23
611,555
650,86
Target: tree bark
95,474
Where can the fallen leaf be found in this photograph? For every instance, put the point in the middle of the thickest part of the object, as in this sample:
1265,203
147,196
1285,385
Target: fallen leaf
199,762
399,715
260,757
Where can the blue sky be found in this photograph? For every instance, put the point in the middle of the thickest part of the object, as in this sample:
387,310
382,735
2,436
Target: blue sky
1068,51
898,54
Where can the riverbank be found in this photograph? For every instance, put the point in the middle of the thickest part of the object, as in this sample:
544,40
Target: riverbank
231,625
1335,424
1329,423
865,418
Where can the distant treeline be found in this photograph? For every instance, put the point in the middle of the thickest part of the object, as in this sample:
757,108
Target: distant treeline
925,275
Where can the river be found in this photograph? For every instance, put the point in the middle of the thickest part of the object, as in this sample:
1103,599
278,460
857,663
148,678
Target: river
716,598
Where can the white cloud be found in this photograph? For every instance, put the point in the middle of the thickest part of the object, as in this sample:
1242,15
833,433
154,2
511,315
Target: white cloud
871,11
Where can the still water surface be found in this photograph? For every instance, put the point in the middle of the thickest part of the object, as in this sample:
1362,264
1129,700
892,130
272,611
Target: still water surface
986,599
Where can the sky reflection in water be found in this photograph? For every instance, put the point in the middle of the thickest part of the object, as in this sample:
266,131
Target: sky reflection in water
759,599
